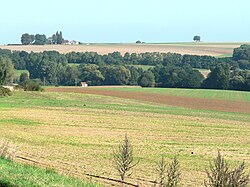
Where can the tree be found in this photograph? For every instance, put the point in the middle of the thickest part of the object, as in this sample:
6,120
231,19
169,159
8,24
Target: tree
90,73
238,178
57,38
24,77
242,53
116,75
173,174
40,39
27,39
6,71
135,75
147,79
172,59
54,39
161,170
218,78
169,175
124,159
197,38
220,175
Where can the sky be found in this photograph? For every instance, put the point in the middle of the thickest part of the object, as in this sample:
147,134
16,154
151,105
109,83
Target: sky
124,21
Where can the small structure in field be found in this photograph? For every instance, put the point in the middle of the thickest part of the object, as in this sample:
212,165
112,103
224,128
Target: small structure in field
84,84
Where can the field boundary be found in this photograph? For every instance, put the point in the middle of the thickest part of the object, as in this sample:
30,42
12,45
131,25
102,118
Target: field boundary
178,101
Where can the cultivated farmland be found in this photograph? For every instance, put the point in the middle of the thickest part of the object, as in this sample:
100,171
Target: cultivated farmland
75,133
213,49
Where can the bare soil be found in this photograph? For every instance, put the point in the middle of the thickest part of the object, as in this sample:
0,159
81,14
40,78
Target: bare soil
186,102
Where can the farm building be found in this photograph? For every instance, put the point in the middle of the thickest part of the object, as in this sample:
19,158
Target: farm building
84,84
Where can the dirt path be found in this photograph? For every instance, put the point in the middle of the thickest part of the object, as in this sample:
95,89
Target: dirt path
186,102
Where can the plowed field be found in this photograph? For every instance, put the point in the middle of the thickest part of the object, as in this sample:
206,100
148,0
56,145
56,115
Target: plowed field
186,102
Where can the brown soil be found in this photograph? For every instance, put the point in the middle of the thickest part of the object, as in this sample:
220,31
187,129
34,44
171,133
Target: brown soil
186,102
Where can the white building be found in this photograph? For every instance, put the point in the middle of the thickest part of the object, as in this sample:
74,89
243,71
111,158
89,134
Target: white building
84,84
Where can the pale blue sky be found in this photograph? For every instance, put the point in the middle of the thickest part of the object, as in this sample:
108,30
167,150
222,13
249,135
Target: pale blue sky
127,20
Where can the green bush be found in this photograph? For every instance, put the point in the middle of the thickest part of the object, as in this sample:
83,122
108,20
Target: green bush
30,85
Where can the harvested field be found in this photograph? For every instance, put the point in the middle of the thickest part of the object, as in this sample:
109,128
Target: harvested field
214,49
194,103
76,133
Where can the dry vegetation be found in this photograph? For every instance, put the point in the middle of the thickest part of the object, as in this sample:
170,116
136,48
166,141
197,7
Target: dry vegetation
214,49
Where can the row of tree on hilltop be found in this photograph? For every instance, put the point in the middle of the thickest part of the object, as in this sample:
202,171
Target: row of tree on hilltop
41,39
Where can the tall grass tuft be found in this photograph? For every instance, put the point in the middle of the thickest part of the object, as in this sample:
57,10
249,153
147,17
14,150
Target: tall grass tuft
7,150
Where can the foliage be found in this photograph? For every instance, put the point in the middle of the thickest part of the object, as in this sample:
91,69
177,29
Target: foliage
24,77
147,79
220,175
6,71
197,38
40,39
161,170
169,174
218,78
242,53
91,74
27,39
178,77
116,75
31,85
173,174
124,159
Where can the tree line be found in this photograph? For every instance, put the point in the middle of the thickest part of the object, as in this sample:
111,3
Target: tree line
167,69
41,39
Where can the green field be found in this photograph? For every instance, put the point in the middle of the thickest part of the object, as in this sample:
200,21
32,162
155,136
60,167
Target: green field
22,175
84,129
193,93
19,72
144,67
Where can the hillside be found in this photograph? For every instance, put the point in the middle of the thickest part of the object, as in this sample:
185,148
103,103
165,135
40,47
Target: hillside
213,49
88,125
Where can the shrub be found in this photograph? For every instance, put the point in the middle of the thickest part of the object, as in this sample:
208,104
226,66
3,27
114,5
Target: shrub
124,159
220,175
30,85
169,175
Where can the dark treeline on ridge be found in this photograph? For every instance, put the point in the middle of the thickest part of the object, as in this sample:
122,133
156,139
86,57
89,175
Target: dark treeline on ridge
165,69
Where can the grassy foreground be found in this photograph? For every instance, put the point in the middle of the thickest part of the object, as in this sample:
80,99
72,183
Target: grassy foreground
84,129
22,175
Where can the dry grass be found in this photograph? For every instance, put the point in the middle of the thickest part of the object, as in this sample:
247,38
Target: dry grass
67,131
214,49
7,150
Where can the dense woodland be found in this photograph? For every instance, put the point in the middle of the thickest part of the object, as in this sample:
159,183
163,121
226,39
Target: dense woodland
167,69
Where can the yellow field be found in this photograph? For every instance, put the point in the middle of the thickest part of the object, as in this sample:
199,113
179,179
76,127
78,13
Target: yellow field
214,49
76,134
